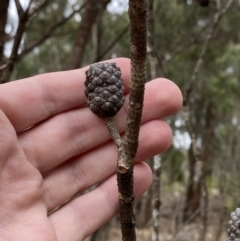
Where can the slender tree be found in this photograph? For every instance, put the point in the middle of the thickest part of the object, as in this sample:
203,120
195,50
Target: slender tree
153,62
93,9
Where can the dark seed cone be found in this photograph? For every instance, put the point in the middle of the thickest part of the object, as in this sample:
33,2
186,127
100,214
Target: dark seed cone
234,229
104,89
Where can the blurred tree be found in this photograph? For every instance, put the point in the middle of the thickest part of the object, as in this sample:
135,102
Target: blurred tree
92,10
3,21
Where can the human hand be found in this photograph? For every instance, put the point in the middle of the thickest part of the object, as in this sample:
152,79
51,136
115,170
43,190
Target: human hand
53,146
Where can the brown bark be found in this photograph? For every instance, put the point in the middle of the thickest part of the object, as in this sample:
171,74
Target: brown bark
127,147
89,17
3,20
138,43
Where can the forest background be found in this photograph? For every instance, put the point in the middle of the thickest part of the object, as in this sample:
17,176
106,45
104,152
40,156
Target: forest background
196,47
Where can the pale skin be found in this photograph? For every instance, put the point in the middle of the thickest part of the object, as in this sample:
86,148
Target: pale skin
52,147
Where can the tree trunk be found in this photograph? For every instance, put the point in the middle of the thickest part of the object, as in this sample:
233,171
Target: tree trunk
193,193
194,190
156,185
89,17
144,205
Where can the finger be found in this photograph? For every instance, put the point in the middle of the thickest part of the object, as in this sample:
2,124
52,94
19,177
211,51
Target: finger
76,174
29,101
19,180
77,131
82,216
8,140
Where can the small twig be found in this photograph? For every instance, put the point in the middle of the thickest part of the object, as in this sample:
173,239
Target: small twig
112,44
2,67
37,8
29,5
190,40
113,131
227,6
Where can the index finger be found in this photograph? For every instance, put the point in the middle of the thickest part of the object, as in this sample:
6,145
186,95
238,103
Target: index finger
29,101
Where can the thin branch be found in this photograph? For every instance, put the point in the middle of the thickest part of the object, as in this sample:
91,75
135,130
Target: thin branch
24,17
19,8
218,15
159,61
17,41
2,67
112,44
227,6
29,6
49,33
189,41
151,43
37,8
